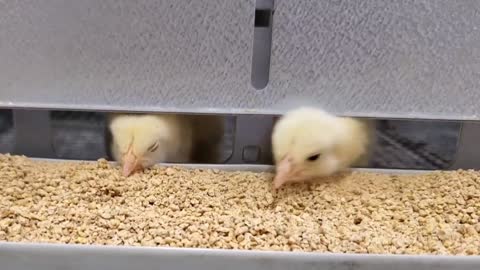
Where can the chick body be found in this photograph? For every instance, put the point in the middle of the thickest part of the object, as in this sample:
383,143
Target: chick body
308,143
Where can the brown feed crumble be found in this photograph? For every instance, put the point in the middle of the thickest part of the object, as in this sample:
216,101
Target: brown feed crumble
359,212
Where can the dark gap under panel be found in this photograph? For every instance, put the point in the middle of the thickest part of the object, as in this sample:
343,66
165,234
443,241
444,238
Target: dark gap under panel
84,135
78,135
408,144
7,131
401,144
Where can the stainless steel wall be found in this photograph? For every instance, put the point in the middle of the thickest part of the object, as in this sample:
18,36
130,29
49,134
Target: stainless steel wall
414,59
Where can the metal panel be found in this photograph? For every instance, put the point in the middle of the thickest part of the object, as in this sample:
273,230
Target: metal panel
47,256
377,58
406,59
131,55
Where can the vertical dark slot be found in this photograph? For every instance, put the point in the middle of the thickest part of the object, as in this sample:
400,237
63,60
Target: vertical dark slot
262,44
262,17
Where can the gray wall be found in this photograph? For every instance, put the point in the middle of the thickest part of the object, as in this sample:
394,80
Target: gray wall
367,58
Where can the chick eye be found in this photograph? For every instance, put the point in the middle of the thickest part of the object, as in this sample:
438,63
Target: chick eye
153,147
313,158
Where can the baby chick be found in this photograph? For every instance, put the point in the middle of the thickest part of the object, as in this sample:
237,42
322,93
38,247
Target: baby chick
140,141
309,143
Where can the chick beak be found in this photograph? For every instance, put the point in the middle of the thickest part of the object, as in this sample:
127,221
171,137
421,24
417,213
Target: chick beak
283,172
130,164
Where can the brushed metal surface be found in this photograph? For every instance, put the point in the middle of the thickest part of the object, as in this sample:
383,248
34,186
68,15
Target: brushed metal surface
405,59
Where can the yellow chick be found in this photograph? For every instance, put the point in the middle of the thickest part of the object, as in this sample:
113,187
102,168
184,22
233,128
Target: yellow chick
140,141
308,143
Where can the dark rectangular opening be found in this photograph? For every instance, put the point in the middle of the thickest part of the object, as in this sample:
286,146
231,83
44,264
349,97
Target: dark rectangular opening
262,17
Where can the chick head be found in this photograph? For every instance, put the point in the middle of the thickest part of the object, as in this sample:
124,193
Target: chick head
309,143
138,141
